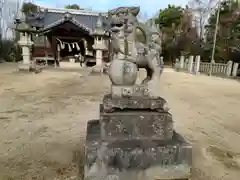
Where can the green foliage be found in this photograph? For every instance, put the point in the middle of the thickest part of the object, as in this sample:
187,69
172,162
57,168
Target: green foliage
169,16
228,35
5,47
179,37
9,51
72,6
175,23
29,8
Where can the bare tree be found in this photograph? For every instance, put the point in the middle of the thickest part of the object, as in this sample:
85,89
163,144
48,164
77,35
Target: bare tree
9,10
16,12
201,10
2,2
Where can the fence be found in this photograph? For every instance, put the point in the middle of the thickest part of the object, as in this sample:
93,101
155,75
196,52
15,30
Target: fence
195,66
185,65
217,68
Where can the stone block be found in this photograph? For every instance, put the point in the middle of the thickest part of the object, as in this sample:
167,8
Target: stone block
139,154
142,103
127,125
72,60
31,67
129,91
140,160
92,143
24,67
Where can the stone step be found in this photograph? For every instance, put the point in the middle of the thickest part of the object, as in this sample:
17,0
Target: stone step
138,160
140,154
112,103
127,125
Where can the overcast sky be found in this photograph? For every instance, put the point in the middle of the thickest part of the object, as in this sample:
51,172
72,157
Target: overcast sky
149,7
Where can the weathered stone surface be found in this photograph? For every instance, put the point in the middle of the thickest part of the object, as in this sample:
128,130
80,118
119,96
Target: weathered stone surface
129,91
24,67
122,72
152,160
110,104
140,154
92,143
180,172
142,158
31,67
129,125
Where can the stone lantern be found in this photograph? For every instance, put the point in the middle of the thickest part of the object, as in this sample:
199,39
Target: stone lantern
99,44
26,44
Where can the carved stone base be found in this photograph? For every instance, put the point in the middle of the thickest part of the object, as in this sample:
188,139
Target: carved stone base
129,91
24,67
139,102
137,159
31,67
131,125
196,73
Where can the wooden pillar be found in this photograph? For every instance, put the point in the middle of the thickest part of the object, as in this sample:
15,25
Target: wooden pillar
54,49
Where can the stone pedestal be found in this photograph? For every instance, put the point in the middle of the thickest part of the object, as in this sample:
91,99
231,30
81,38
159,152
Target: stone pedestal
72,60
26,67
99,45
99,57
177,65
98,68
26,44
197,65
190,64
235,69
229,68
182,59
134,139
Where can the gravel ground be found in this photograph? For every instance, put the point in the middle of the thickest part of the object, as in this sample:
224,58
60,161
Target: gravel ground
43,119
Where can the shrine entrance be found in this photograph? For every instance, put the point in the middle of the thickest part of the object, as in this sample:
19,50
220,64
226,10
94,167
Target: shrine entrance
69,48
69,41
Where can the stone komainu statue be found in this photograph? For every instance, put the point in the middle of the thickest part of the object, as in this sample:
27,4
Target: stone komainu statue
147,55
134,137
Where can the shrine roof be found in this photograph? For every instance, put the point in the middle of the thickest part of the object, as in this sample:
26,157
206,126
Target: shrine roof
49,18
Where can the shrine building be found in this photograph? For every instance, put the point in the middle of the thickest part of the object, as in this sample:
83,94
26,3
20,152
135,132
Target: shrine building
64,34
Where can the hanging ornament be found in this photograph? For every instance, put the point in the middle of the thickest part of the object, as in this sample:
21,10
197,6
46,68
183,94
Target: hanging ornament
73,45
69,48
62,45
77,46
